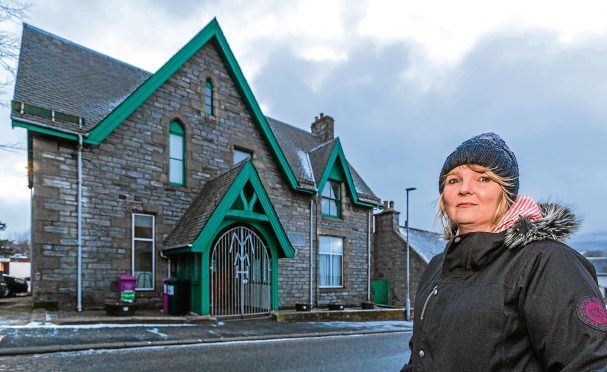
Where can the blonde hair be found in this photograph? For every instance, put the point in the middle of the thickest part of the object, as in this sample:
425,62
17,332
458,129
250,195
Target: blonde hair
503,204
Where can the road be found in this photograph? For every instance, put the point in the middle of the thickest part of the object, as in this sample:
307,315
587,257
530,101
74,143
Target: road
372,352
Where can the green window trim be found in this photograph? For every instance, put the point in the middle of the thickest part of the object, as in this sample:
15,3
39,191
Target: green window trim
211,32
338,159
208,98
176,135
330,200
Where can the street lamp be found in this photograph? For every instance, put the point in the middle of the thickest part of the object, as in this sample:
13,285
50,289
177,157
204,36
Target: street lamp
408,300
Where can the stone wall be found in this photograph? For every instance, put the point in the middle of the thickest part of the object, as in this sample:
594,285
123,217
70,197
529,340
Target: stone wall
390,258
353,227
54,212
127,173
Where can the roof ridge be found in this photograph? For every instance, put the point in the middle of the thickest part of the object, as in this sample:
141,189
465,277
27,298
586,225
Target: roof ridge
323,144
80,46
292,126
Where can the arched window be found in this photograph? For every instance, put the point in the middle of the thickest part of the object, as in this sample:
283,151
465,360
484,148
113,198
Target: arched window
176,154
208,97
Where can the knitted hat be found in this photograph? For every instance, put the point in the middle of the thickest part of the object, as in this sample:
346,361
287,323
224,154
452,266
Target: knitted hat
488,150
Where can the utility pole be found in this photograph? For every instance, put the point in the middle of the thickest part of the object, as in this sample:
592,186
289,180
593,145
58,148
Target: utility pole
408,300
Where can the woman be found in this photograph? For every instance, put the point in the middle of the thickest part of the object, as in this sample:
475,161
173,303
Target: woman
506,294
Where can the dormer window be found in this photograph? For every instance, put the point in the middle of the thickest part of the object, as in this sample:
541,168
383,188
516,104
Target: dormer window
331,199
176,154
208,97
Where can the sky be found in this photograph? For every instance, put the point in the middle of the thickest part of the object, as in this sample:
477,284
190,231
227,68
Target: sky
405,81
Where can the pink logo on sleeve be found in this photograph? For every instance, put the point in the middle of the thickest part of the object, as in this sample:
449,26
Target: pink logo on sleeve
591,311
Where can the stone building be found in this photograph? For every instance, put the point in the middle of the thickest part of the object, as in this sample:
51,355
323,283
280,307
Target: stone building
390,259
179,173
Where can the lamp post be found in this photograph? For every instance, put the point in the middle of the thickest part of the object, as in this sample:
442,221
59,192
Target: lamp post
408,300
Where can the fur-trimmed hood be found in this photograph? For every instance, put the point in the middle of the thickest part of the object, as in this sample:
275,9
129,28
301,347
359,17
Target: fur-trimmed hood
558,223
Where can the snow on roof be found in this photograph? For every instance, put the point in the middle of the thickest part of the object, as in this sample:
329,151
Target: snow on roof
304,158
427,243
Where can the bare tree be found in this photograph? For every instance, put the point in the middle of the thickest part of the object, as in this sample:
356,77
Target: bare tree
11,147
10,11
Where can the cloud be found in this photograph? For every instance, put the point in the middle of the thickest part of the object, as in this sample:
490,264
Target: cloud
14,194
406,81
541,95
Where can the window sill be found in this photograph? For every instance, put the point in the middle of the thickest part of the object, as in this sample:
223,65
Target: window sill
210,118
331,289
175,187
330,217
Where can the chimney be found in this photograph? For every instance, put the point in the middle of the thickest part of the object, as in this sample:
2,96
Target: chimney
387,220
323,127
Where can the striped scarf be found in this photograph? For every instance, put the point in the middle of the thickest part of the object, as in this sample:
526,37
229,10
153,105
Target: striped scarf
524,206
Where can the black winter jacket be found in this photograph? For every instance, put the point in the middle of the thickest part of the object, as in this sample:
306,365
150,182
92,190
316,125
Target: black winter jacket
519,300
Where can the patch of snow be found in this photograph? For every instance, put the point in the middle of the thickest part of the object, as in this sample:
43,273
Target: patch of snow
304,159
377,325
89,326
200,345
157,332
427,243
49,316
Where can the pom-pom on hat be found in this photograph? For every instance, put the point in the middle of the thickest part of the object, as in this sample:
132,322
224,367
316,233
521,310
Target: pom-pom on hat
487,150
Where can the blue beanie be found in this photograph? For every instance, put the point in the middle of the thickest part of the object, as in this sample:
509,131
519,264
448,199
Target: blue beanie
489,151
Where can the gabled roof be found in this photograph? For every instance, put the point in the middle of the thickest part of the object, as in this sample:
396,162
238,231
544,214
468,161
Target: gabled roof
217,200
58,74
295,144
319,159
201,209
310,158
426,243
123,105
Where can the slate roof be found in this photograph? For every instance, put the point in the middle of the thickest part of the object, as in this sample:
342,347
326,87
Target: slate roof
295,143
60,75
57,74
427,243
201,209
319,157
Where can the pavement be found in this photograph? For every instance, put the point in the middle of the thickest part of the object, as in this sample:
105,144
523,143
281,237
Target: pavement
25,331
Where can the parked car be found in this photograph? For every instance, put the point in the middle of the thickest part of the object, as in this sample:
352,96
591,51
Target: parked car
13,286
4,292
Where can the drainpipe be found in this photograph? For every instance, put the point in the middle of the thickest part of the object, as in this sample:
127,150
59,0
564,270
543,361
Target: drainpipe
162,255
311,253
369,257
79,223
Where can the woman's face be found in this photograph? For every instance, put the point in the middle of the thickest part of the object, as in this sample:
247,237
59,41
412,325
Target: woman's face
471,199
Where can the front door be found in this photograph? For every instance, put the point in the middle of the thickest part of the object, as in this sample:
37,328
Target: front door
240,274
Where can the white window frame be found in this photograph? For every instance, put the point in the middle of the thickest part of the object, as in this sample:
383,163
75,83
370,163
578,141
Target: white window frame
153,240
331,261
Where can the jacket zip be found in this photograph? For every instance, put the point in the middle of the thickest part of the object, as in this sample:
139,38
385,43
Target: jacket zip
433,293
